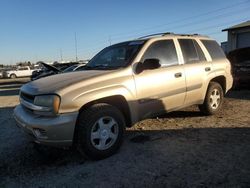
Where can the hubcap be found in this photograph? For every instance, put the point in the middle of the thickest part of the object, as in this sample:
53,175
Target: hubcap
104,133
215,99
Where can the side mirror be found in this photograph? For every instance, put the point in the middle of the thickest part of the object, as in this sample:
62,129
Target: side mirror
148,64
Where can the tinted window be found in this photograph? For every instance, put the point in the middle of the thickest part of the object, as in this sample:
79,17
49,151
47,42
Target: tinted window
164,51
199,51
23,68
214,49
191,51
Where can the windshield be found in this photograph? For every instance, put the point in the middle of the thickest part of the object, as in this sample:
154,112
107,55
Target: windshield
119,55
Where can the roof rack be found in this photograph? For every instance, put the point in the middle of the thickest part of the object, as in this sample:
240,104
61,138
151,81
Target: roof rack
156,34
195,34
167,33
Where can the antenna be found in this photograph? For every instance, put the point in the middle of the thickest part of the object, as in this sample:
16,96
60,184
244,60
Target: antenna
76,47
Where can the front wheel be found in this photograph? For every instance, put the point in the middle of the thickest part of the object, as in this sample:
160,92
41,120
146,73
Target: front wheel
100,131
213,100
12,76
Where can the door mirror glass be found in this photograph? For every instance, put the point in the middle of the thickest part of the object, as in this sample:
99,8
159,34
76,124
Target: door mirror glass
148,64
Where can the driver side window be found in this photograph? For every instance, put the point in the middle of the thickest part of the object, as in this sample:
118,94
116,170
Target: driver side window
163,50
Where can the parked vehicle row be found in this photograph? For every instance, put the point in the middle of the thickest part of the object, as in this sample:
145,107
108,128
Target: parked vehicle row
48,70
42,71
121,85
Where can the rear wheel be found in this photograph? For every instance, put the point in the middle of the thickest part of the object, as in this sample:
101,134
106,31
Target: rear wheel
213,100
100,131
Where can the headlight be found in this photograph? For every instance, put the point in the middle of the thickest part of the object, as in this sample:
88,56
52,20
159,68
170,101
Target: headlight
49,104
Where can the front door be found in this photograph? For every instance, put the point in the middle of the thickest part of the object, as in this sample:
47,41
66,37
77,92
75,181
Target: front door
164,88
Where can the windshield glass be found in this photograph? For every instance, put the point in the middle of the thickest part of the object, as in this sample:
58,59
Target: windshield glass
119,55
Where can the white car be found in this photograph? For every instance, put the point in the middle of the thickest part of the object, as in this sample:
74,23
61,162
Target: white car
19,72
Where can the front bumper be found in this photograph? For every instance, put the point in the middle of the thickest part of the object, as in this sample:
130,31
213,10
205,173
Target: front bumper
55,131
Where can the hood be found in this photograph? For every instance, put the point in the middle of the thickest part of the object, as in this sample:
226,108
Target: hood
50,67
56,82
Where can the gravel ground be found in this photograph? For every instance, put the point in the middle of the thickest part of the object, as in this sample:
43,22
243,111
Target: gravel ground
180,149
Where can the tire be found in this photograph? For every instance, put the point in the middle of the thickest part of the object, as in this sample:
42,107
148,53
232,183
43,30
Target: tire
12,76
213,100
100,131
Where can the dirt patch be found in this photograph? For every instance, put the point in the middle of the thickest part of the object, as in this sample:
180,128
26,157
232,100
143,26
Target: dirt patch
179,149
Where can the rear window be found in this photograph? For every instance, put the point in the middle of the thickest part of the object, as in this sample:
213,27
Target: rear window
214,49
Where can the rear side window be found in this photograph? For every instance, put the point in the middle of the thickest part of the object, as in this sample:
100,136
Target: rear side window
214,49
164,51
23,68
191,51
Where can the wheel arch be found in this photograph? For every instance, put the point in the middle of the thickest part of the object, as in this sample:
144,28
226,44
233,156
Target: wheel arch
13,74
118,101
220,80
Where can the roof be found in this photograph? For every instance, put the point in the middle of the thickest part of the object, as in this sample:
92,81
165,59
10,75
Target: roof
241,25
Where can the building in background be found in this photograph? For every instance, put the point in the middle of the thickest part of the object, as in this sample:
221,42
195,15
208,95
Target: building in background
238,37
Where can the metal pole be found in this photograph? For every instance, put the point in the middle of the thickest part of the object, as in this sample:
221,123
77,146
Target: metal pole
76,47
61,54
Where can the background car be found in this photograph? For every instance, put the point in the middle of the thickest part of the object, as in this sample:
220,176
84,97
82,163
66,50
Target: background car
75,68
240,60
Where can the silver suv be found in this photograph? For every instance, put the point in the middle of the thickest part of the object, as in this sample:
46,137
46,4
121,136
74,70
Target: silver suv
121,85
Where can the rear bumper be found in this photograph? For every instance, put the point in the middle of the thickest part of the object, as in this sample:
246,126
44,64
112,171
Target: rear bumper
55,131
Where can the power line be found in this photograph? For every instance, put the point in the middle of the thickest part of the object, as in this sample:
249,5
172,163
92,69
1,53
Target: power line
115,36
195,22
185,19
176,22
219,25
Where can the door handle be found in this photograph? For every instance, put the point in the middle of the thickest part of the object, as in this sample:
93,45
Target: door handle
177,75
207,69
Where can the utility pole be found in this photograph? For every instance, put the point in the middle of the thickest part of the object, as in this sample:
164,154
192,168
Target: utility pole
76,47
61,54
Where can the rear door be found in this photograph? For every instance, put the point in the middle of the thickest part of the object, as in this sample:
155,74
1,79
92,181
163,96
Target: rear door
164,88
197,70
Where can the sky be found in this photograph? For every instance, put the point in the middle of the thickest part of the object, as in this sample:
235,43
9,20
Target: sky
45,30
